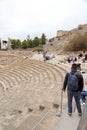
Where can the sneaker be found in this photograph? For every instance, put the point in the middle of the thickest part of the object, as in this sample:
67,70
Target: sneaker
80,114
70,114
83,104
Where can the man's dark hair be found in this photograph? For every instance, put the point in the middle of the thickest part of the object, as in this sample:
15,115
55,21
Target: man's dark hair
74,66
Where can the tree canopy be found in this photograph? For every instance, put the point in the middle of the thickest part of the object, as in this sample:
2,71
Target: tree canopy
28,43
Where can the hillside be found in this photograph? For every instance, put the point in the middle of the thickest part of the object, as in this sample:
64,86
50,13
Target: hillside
57,43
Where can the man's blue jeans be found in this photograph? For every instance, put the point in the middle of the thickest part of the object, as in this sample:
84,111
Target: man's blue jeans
76,96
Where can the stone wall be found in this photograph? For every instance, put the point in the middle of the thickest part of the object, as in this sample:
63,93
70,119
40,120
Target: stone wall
61,33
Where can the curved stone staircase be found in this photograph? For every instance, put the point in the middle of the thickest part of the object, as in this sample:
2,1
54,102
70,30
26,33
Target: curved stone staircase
31,88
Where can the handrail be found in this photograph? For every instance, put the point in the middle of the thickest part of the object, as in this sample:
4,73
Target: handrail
43,117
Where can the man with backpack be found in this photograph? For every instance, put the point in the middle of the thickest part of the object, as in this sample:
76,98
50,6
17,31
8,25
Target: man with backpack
74,82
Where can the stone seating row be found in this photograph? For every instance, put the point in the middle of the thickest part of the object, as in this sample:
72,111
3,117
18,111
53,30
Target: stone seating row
36,74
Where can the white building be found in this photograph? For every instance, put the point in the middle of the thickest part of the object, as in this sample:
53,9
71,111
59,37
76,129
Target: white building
5,44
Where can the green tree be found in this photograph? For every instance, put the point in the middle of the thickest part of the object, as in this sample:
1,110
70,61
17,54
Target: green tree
36,42
30,43
25,44
28,37
15,43
43,39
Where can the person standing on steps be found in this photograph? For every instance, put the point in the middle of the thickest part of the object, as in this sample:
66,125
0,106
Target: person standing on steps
44,55
74,82
83,95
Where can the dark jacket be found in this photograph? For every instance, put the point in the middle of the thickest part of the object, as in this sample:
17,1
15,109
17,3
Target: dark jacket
80,80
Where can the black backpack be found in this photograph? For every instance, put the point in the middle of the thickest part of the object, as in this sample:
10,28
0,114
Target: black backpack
72,81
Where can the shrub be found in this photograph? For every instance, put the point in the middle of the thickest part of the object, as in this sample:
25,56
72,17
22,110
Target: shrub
41,107
39,48
78,43
51,44
80,27
56,105
30,109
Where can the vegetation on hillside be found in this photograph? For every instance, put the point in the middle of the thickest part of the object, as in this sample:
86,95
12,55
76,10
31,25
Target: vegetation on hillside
78,43
29,43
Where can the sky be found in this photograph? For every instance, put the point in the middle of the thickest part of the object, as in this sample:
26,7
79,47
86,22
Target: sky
20,18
